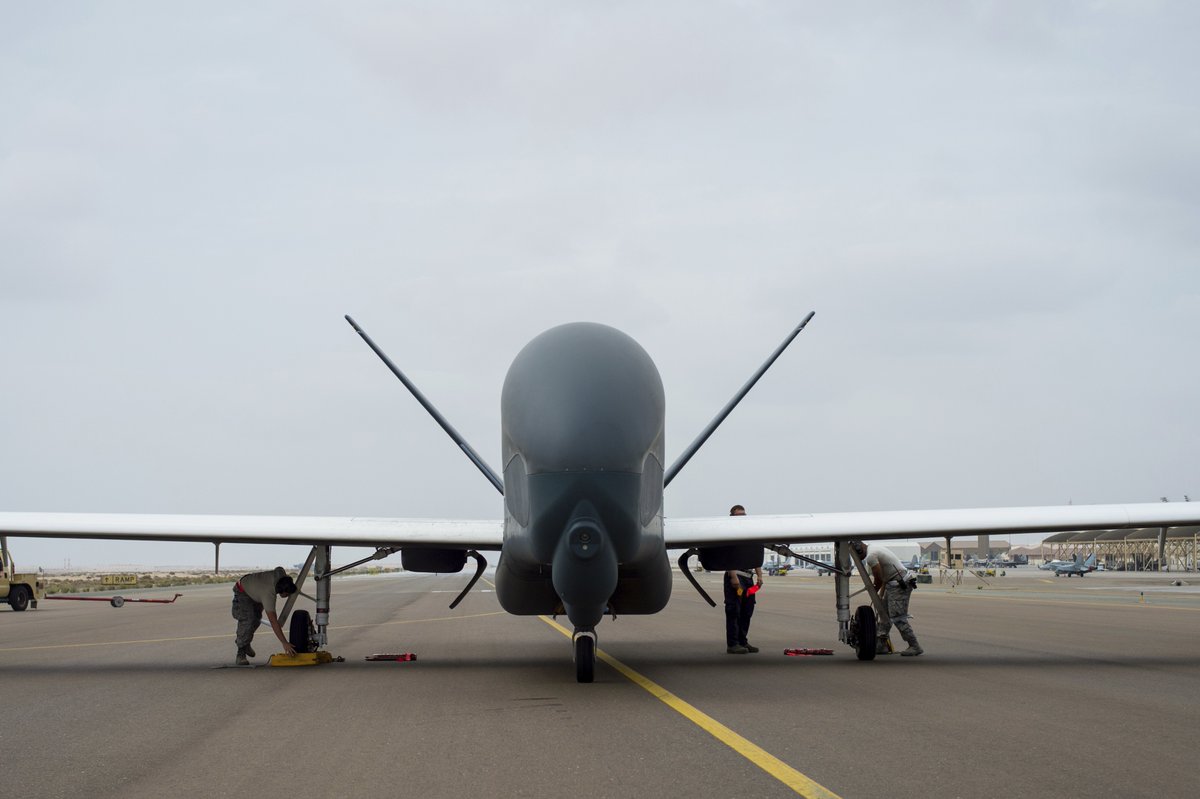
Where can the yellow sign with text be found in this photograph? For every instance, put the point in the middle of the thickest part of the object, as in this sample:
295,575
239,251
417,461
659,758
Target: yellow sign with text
118,579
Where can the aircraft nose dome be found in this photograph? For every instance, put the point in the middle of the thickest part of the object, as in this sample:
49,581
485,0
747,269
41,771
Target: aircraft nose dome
582,397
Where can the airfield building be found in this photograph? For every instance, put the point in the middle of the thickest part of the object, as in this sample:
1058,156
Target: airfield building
1142,549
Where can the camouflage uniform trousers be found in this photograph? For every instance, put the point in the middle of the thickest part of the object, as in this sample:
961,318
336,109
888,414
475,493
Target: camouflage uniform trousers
249,615
896,596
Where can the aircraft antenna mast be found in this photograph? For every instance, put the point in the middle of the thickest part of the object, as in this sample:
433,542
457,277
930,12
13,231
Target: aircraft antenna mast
682,460
467,449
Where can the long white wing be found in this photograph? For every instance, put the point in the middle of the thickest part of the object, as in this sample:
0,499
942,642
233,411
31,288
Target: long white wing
717,530
680,533
307,530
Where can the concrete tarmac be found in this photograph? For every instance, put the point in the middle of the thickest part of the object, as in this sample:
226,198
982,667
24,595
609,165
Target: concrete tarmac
1030,686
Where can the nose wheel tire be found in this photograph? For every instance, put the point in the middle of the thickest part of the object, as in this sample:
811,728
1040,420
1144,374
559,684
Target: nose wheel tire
585,658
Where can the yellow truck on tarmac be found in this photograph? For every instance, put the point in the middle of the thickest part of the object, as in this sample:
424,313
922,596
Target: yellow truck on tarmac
19,590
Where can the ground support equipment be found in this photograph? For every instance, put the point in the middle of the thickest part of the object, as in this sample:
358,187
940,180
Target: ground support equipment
115,601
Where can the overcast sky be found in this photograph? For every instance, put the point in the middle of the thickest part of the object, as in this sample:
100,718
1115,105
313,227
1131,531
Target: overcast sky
992,207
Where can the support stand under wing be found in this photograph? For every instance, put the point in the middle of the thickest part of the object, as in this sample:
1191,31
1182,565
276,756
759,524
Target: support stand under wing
868,585
786,551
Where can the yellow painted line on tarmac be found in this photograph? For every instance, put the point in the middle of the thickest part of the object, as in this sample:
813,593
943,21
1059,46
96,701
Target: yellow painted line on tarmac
112,643
758,756
227,635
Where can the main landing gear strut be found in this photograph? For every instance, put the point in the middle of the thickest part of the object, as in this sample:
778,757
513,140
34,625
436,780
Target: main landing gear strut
860,630
308,636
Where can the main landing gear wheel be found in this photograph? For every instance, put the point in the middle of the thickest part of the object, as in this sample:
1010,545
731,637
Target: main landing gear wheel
300,631
585,657
865,632
18,598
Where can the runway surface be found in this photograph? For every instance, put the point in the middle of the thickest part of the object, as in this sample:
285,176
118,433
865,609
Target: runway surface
1031,686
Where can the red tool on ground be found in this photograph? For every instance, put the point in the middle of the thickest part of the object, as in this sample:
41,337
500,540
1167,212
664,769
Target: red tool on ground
803,653
115,601
398,658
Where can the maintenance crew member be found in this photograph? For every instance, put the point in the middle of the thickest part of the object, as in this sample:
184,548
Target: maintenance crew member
895,585
739,603
251,595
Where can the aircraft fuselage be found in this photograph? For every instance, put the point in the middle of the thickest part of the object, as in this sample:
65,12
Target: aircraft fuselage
582,421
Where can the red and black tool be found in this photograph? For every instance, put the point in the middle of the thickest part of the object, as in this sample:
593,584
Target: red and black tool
402,657
806,652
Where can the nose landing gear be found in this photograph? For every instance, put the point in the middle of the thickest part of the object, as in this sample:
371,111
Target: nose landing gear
585,655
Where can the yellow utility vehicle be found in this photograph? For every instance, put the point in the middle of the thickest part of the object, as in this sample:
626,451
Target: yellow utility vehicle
19,590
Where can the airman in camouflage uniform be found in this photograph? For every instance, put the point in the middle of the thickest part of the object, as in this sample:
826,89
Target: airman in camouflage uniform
896,584
253,594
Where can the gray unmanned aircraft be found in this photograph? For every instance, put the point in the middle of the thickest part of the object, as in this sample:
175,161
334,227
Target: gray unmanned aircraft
583,530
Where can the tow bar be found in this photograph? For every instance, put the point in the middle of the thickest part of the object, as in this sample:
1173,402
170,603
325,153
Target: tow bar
115,601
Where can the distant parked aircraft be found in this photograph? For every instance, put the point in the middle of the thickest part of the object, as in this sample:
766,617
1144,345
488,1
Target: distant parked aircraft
1081,569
